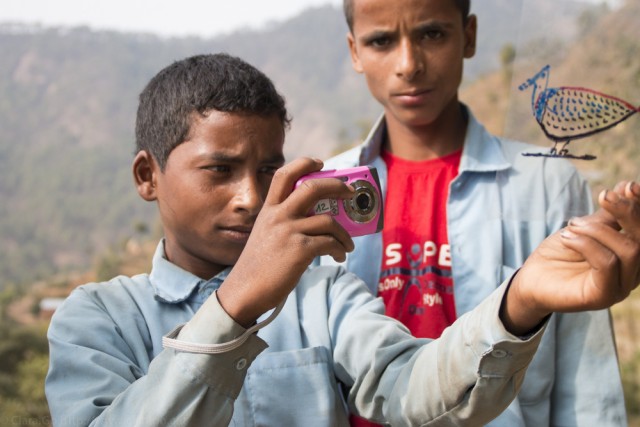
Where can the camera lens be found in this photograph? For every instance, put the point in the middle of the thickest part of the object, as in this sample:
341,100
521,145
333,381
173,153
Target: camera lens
363,206
363,201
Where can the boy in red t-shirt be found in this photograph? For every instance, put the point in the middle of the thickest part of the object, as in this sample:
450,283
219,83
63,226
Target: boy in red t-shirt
411,53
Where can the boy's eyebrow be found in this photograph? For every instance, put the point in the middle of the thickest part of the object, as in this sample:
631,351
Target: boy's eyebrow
430,25
276,159
372,35
421,27
220,156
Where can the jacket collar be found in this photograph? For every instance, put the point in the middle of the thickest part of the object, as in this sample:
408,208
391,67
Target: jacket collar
482,152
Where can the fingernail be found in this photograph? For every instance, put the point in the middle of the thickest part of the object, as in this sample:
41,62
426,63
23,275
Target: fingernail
634,188
610,196
576,222
566,234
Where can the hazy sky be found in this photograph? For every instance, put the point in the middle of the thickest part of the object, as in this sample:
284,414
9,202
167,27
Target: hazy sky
166,17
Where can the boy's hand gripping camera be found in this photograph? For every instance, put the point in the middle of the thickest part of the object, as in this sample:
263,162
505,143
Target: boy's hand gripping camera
361,214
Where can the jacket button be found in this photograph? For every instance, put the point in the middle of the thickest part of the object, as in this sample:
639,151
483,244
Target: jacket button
241,364
499,353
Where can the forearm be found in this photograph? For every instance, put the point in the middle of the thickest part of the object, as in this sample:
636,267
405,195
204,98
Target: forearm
475,383
168,394
471,373
173,393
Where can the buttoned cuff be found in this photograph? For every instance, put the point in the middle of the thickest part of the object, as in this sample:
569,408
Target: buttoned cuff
224,371
499,348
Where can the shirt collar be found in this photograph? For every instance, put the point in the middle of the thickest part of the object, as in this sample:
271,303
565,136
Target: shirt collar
372,146
172,284
482,151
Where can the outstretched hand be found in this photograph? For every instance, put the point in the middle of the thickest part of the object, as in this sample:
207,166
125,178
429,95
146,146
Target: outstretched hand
591,264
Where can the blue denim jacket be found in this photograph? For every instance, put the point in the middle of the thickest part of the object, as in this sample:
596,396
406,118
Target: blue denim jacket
500,207
108,367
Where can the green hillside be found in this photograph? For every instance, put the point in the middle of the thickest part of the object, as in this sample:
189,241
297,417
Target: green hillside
67,107
67,111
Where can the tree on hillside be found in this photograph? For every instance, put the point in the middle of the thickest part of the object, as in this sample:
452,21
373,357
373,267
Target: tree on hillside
507,58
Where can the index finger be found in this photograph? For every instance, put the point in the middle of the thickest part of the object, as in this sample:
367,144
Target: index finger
624,207
285,178
311,191
602,215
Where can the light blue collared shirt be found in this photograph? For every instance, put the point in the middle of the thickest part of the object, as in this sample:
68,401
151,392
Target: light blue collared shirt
500,208
108,367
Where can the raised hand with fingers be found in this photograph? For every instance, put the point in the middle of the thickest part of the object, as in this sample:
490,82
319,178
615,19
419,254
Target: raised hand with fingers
591,264
284,241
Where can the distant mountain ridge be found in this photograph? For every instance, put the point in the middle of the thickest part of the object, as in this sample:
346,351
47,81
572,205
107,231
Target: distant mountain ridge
67,109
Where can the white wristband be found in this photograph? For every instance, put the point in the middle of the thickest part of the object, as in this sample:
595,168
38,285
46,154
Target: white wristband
170,341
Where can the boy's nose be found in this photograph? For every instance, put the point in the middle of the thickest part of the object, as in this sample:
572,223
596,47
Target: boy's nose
410,61
248,196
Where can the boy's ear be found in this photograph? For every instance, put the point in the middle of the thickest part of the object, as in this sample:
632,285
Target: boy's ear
470,35
145,169
355,59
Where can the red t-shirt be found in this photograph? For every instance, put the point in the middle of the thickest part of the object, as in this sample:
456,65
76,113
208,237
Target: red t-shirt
415,279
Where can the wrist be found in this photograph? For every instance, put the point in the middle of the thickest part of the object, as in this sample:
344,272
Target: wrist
518,312
239,311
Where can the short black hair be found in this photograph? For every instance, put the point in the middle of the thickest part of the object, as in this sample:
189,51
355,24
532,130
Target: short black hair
198,85
347,5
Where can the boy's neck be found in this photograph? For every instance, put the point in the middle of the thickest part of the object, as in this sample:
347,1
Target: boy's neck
438,139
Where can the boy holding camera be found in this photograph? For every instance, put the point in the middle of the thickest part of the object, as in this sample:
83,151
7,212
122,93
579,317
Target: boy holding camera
464,209
232,328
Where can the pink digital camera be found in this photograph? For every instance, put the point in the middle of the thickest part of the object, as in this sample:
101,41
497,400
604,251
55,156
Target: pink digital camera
361,214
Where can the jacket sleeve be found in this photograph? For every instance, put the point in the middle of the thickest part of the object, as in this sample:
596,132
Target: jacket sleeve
98,375
465,378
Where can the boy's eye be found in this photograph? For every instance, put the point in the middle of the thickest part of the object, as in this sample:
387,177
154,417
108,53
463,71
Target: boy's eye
380,42
218,168
377,41
269,170
432,35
